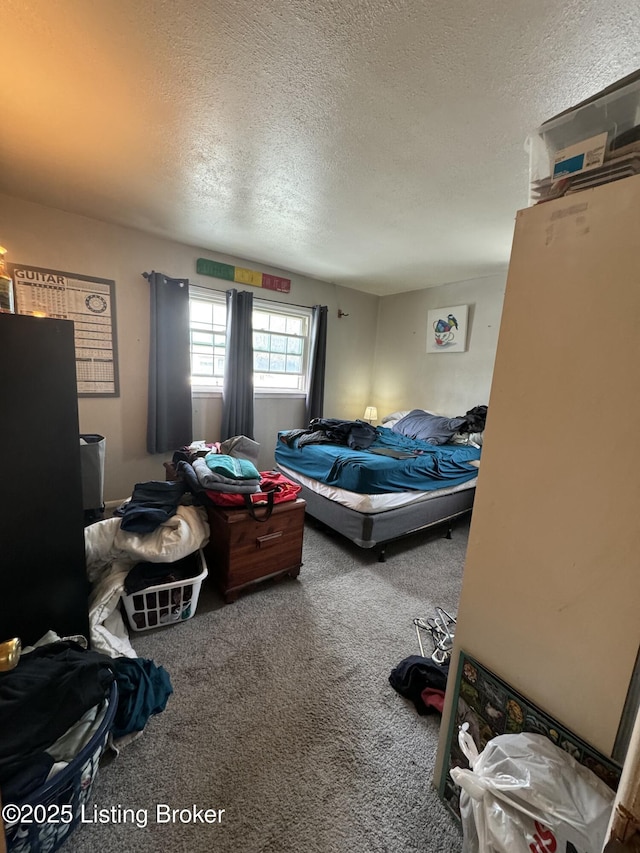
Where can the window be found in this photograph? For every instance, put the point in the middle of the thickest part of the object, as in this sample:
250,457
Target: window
280,343
208,333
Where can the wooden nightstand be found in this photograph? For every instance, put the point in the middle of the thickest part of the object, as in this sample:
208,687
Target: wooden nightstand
243,551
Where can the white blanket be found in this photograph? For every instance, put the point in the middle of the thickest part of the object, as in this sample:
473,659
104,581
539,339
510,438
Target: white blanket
111,552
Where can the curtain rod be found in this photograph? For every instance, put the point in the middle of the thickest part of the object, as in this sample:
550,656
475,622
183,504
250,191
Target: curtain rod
293,304
296,305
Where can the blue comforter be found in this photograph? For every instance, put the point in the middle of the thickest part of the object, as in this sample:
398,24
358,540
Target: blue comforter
370,472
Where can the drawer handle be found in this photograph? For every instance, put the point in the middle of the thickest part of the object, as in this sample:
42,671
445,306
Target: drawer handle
269,537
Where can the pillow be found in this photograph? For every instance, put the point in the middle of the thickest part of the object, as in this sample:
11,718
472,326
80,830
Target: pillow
435,429
394,417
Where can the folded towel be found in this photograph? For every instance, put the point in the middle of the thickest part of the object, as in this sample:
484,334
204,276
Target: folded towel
229,466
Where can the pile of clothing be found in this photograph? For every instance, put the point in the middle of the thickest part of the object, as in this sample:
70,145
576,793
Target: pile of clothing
227,467
475,419
162,606
55,700
219,472
358,435
422,681
112,553
151,504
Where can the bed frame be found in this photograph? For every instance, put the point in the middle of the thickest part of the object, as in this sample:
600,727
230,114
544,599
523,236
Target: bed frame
378,529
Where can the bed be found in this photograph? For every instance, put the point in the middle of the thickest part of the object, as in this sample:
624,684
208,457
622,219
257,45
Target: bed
396,486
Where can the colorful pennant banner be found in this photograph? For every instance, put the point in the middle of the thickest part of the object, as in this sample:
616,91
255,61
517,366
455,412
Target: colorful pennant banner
242,276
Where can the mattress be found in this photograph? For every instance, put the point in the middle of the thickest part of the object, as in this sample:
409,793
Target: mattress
368,504
392,463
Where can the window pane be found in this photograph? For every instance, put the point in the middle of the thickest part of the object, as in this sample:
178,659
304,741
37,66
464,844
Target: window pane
200,327
260,320
220,315
200,311
294,326
202,365
294,364
198,337
277,381
198,349
294,346
277,363
260,361
278,343
278,323
261,341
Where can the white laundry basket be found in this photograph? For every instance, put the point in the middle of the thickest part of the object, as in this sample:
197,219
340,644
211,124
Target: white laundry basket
167,603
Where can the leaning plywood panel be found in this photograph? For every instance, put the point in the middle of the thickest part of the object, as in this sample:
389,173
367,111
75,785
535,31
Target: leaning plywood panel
551,583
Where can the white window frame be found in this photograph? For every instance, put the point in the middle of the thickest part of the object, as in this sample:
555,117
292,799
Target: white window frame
215,298
218,298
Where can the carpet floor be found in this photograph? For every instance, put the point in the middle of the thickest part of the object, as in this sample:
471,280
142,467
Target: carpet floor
283,716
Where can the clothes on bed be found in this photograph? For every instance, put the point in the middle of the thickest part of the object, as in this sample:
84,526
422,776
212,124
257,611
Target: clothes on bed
476,419
355,434
389,451
433,467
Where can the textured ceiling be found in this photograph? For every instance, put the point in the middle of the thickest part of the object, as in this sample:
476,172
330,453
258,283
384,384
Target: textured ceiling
378,144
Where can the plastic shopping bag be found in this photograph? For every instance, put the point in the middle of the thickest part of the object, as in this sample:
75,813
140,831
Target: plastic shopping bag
523,794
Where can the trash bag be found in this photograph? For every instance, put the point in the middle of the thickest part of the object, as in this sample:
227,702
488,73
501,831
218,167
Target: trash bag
523,794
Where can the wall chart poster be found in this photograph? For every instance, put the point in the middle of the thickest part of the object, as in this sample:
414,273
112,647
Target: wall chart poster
90,303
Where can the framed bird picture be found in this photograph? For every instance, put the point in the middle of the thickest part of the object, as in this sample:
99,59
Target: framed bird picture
447,329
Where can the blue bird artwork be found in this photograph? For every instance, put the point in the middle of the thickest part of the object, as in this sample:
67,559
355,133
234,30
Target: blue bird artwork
447,329
446,325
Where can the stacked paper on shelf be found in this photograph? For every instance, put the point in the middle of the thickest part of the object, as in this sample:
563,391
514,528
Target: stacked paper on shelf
621,163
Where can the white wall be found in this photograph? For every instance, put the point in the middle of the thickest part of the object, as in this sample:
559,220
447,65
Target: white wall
50,238
406,376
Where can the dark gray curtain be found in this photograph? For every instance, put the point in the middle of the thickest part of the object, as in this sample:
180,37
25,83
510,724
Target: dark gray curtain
169,419
237,388
317,361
